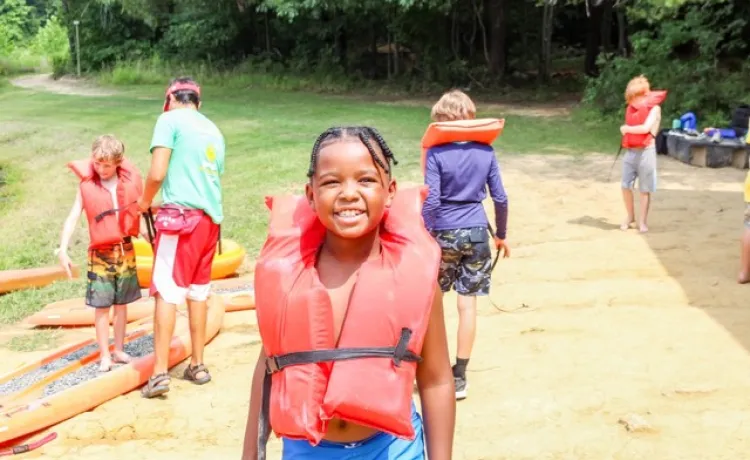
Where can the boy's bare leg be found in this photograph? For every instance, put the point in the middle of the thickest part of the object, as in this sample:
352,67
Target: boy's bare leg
467,325
101,324
119,323
744,276
645,203
197,313
164,319
627,197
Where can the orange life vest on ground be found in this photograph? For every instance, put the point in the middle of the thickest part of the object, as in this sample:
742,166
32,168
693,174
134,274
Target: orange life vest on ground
104,228
636,114
367,378
482,130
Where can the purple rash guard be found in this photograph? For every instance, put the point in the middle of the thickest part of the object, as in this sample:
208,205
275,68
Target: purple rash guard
457,175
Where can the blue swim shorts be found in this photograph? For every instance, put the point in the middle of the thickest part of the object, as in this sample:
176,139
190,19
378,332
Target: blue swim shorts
381,446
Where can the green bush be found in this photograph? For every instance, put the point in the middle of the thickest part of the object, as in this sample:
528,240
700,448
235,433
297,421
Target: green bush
682,55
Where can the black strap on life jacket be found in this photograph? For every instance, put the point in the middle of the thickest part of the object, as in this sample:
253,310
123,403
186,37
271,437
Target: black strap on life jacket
150,227
276,364
109,212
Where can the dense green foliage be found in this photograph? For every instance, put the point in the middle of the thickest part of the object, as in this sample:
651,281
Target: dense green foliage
695,48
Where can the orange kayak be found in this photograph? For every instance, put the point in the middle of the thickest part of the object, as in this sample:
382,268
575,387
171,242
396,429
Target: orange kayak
237,293
224,265
66,382
13,280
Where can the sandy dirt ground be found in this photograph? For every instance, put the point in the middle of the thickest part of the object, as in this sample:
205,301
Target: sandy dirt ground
63,85
606,326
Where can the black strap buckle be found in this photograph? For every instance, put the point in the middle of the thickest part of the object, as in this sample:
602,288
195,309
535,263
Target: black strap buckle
108,212
272,365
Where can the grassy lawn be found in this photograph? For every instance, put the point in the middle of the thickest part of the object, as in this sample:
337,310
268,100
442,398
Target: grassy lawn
269,136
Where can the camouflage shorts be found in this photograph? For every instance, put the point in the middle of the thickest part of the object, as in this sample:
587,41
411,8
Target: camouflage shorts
112,276
465,265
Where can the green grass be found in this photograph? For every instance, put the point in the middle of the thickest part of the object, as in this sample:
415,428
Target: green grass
269,135
35,341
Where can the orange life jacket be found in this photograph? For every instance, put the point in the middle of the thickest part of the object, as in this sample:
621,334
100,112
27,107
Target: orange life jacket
482,130
104,228
636,114
309,378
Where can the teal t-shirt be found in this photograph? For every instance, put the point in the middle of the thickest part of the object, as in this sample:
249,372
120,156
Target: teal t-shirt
196,163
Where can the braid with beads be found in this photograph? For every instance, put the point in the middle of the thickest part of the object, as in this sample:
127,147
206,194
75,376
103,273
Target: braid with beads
364,134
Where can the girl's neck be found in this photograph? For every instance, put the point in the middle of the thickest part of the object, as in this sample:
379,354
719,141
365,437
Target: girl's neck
346,250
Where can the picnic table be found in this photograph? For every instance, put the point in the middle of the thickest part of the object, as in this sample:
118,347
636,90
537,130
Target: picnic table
702,151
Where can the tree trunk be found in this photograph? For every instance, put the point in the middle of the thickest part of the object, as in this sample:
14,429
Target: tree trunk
622,34
606,27
68,19
593,40
496,17
546,41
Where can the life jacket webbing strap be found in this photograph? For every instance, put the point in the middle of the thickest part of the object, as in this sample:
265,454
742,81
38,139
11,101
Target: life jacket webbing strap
108,212
278,363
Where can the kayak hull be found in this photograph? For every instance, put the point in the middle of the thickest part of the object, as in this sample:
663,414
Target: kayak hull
14,280
22,416
224,265
237,294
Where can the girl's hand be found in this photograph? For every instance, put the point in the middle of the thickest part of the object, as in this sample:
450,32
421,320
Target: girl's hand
66,263
502,246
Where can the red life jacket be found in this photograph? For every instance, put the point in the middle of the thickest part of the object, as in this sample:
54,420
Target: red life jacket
310,379
636,114
104,228
482,130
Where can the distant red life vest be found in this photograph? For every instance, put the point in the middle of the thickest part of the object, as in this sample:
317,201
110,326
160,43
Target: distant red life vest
482,130
367,378
104,228
636,114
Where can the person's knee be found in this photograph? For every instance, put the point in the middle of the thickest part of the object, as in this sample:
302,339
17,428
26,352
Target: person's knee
467,302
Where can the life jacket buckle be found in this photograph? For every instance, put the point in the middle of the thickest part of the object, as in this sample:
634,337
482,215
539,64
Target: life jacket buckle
272,365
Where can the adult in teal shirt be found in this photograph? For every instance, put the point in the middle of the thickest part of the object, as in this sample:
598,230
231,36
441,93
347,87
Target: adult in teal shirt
187,163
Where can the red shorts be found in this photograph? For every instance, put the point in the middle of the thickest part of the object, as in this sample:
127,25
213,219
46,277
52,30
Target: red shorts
182,263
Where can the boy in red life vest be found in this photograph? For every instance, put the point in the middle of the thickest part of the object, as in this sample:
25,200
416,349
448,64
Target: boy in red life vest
458,175
109,189
642,120
349,315
187,160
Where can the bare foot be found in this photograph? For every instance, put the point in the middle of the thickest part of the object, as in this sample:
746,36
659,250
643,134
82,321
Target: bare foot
626,224
743,278
643,228
105,364
121,357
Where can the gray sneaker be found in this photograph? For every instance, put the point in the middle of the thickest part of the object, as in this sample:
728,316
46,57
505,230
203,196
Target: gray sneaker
461,387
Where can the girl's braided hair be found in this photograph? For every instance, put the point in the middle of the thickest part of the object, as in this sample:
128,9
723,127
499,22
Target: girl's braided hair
365,134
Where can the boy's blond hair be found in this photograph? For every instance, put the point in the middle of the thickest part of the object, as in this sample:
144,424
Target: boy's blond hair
108,148
454,105
638,86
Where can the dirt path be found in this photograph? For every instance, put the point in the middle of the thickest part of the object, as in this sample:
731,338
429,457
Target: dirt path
64,85
82,87
615,325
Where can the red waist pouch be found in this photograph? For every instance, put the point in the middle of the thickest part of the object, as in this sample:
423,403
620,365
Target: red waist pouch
177,220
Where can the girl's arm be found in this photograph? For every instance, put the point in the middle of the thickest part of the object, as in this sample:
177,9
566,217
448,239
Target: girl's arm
436,387
432,201
499,198
250,449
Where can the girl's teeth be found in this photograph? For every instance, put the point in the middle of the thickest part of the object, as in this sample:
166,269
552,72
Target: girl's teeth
349,213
